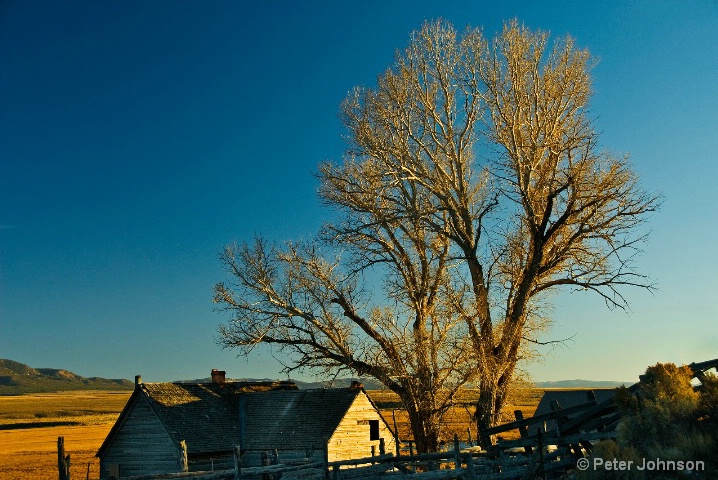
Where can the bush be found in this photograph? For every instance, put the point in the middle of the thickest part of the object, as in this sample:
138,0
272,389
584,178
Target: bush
708,402
671,420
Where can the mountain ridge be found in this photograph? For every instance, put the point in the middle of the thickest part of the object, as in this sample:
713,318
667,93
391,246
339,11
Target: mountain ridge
579,383
345,382
17,378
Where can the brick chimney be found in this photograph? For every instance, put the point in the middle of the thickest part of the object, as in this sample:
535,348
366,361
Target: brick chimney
218,376
138,380
356,385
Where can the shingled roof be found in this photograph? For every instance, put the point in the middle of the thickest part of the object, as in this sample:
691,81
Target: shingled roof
294,419
205,415
201,414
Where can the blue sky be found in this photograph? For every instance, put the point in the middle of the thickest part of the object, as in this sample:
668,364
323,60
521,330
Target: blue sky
139,138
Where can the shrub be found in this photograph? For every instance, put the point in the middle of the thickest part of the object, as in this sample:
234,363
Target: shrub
708,403
669,419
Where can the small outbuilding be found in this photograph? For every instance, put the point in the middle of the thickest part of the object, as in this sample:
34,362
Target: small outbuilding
175,427
565,399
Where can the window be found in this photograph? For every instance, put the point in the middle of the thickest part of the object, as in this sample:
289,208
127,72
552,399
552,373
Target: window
373,429
113,470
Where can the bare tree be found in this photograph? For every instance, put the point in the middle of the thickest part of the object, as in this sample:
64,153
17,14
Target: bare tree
472,187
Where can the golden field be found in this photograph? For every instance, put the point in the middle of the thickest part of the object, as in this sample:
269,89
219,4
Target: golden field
30,425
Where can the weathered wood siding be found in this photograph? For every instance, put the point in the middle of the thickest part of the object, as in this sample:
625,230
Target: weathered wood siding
142,445
351,439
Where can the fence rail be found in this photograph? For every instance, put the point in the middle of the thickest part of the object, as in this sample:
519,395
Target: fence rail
447,465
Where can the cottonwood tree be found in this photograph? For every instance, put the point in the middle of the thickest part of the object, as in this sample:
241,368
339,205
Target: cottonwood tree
472,187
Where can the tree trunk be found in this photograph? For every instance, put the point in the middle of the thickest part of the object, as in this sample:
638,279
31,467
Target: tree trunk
492,399
425,427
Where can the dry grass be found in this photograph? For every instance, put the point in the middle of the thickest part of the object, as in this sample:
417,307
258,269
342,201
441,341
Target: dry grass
32,453
43,406
28,446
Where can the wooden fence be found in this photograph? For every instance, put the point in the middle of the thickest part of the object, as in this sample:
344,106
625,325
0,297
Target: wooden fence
453,464
434,466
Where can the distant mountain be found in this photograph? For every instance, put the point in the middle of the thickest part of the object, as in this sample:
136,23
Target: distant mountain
369,384
17,378
582,384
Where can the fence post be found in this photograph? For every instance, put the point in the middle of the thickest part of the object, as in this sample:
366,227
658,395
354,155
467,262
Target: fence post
457,458
382,447
61,457
470,466
183,457
326,459
266,461
540,447
397,443
61,462
524,431
237,462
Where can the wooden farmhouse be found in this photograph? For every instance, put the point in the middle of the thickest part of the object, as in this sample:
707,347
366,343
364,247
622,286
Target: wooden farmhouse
175,427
